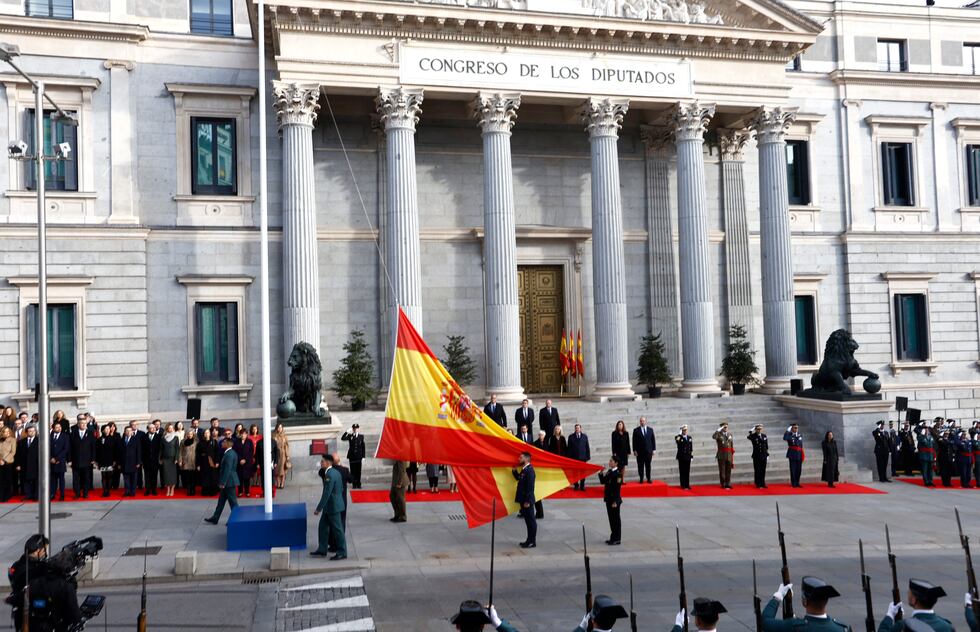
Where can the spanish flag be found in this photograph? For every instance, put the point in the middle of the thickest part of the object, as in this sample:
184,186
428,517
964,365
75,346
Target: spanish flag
563,354
430,419
580,363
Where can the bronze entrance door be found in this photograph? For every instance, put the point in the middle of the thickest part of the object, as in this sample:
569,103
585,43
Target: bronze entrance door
541,295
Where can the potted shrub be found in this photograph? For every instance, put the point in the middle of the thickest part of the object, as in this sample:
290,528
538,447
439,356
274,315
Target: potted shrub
739,367
355,378
651,366
457,360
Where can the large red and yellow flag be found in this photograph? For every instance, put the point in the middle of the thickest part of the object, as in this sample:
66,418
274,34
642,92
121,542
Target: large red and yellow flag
430,419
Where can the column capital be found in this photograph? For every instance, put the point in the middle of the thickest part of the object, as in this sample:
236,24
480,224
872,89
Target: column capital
125,64
296,103
399,108
657,140
732,143
771,124
604,117
496,111
691,120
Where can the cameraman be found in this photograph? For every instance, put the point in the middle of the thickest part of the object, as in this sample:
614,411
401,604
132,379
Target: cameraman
54,604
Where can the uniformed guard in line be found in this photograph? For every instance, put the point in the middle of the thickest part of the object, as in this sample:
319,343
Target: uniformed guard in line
760,455
685,452
922,598
927,456
794,454
816,593
705,611
604,614
472,617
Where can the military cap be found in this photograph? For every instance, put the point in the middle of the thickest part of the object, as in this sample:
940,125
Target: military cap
684,427
923,589
817,589
607,608
707,607
880,422
470,613
356,426
757,426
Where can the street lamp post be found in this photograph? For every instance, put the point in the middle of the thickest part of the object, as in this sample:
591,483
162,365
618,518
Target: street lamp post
18,151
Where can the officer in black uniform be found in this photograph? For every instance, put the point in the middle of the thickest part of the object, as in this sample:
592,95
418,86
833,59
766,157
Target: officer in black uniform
816,593
355,453
612,480
685,452
760,455
54,604
883,450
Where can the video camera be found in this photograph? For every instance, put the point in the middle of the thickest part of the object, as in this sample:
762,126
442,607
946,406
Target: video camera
73,556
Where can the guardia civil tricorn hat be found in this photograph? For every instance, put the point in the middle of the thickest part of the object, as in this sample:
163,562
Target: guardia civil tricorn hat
707,607
923,589
817,589
470,613
605,607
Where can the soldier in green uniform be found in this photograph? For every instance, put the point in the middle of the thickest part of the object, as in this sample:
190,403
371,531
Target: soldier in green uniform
927,456
472,617
922,597
605,611
816,593
705,613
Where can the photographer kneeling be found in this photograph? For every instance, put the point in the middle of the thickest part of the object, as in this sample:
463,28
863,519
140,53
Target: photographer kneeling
51,590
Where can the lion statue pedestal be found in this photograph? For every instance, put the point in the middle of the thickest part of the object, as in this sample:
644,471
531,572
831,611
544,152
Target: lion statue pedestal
839,365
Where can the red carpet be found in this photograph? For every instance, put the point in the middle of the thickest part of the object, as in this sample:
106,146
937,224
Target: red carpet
117,495
938,483
657,489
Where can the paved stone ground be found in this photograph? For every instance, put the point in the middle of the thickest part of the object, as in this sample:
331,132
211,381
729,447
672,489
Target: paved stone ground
415,574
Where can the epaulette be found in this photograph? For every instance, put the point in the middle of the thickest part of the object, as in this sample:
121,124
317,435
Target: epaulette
843,626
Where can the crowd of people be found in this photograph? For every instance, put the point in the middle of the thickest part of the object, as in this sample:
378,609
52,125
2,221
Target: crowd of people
946,448
156,459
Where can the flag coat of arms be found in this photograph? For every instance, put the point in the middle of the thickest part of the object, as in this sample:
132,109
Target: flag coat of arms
430,419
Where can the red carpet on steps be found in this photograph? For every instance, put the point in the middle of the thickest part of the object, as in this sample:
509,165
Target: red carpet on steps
936,480
657,489
117,495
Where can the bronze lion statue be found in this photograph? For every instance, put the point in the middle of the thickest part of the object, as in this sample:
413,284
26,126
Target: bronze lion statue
838,365
305,383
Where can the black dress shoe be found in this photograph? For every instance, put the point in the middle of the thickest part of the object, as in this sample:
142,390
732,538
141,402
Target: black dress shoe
528,545
613,542
211,520
338,557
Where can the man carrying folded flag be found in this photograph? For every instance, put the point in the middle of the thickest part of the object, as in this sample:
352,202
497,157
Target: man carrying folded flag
430,419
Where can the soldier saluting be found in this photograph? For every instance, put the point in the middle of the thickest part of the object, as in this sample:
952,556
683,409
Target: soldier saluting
816,594
685,452
922,598
760,455
725,455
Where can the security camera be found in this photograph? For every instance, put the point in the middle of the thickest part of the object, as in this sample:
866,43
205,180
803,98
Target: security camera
17,150
62,151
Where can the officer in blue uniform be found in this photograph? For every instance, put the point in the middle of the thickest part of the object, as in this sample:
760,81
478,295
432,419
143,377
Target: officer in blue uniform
922,598
816,594
795,454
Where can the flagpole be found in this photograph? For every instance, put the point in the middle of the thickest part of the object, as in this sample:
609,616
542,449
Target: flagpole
264,274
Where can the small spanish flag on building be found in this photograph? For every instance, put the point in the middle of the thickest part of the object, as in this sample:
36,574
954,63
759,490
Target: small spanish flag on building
430,419
564,355
580,361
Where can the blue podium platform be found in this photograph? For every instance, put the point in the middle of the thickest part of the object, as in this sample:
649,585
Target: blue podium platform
251,529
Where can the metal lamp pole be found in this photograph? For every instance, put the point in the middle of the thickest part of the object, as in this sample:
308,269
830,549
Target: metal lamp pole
264,274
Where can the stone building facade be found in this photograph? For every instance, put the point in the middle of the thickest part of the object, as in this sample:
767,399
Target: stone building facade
521,167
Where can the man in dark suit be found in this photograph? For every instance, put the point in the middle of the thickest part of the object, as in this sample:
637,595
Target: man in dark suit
60,455
198,430
150,447
130,459
579,449
355,453
644,447
524,434
82,447
27,462
524,474
524,416
548,418
227,481
495,411
612,481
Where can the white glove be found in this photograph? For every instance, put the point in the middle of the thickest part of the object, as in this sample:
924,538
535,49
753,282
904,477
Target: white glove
494,619
783,590
893,610
679,619
969,600
585,621
788,428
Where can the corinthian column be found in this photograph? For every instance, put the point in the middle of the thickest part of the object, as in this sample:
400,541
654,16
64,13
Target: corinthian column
697,314
296,109
398,109
603,118
495,114
778,310
738,269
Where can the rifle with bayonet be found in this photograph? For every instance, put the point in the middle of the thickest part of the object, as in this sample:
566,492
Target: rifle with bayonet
588,575
632,612
682,597
896,593
971,576
756,601
141,619
788,600
869,617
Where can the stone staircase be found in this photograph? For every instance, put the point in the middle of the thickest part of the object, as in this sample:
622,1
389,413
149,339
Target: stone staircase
665,416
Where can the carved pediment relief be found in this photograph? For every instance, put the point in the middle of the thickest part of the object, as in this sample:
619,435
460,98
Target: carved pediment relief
686,11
